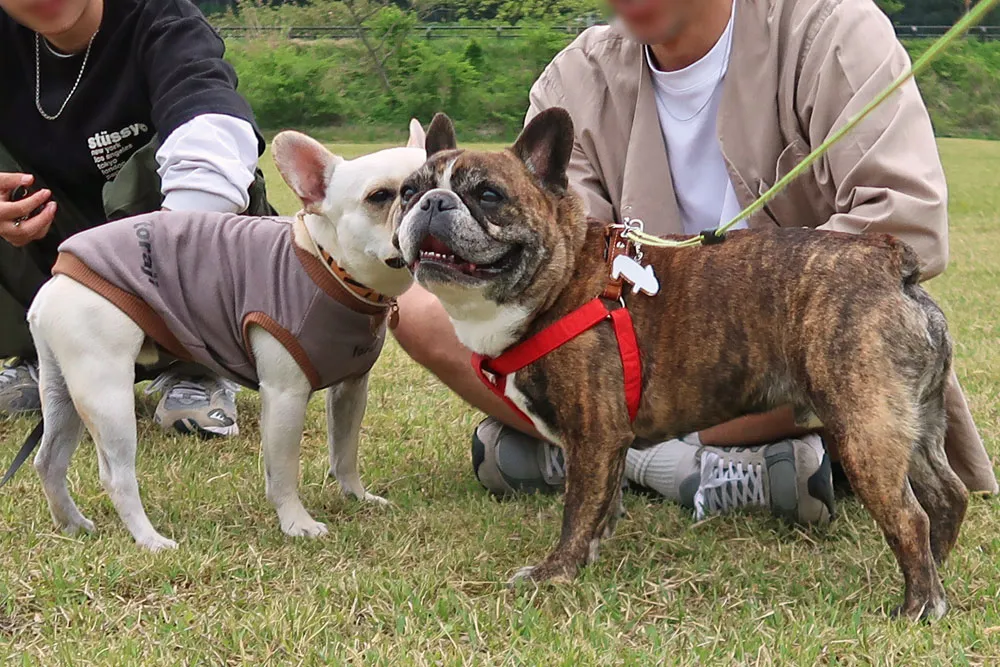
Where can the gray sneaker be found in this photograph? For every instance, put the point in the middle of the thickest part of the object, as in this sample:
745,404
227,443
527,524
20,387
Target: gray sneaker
205,405
19,388
507,461
792,479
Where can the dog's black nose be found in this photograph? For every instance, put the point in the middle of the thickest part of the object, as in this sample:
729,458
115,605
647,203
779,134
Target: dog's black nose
435,201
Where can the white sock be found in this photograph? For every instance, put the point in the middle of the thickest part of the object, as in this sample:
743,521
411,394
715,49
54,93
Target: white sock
664,466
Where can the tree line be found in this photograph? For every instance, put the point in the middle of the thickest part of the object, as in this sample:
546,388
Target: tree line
514,12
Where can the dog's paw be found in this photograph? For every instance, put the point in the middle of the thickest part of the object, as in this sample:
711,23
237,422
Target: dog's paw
927,612
375,500
554,571
82,524
304,527
523,574
155,543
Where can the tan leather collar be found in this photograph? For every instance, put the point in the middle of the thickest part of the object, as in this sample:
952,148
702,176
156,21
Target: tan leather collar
366,294
337,283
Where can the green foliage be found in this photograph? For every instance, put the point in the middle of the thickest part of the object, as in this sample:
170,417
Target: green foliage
890,7
511,12
261,13
937,12
474,55
334,12
962,88
516,11
286,84
483,83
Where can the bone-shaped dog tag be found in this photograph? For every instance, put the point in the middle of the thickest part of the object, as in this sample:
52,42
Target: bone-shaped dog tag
641,277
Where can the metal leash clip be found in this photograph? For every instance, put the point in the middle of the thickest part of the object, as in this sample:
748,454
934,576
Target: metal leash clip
630,267
632,225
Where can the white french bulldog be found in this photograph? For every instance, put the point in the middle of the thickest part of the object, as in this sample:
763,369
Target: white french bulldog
88,347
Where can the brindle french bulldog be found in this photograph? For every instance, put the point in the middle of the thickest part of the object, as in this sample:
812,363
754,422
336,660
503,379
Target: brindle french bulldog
833,324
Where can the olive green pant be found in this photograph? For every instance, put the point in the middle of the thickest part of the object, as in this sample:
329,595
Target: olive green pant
135,190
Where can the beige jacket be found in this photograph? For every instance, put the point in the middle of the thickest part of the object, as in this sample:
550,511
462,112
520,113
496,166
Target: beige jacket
800,69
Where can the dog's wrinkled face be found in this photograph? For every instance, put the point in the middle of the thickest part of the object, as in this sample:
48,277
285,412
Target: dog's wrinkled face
484,227
350,204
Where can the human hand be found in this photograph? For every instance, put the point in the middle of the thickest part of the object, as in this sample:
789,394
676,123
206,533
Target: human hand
23,219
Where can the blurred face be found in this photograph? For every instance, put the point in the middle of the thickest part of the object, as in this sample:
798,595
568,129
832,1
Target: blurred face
47,17
654,21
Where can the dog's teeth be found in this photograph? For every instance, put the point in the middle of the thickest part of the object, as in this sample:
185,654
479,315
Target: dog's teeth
430,254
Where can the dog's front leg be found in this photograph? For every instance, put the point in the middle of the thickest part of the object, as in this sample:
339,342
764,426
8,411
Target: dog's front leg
284,396
594,468
345,409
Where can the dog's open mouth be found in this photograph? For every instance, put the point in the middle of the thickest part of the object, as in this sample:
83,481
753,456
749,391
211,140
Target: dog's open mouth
435,251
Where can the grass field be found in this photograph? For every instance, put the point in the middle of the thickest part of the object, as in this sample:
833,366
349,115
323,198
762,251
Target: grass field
422,582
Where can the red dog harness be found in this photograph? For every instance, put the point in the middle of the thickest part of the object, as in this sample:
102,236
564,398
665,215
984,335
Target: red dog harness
493,372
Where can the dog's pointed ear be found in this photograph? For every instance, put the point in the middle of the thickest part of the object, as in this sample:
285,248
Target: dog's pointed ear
306,165
545,146
440,135
417,136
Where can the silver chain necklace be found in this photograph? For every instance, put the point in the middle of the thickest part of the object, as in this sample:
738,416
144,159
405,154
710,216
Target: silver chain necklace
38,77
722,69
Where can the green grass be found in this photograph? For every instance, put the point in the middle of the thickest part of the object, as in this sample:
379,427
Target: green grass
422,583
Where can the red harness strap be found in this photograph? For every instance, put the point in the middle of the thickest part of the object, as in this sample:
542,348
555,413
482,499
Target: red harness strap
558,334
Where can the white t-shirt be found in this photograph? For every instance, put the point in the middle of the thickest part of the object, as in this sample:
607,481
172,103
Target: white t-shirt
687,103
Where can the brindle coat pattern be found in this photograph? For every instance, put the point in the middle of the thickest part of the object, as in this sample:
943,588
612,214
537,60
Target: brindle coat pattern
834,324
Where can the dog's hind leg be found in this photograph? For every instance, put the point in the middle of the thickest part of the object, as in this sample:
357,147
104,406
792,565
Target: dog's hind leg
875,456
940,492
96,346
63,430
102,390
937,487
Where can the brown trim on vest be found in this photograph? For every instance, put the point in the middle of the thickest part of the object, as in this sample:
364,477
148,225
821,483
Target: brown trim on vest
321,276
138,310
287,340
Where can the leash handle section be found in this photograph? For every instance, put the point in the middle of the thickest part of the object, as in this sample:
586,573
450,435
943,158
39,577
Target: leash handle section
963,25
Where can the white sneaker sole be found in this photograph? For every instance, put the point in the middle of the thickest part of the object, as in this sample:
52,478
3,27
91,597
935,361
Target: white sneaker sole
189,426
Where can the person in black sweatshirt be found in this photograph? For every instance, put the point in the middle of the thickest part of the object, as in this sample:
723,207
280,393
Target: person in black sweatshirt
112,109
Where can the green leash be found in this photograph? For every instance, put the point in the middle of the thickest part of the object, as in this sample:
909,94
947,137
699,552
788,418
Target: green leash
633,228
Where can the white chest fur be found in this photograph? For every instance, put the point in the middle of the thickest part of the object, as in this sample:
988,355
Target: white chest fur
521,401
480,324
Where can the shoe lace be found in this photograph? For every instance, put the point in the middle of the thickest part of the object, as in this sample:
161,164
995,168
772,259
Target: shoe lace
555,467
178,386
727,485
12,369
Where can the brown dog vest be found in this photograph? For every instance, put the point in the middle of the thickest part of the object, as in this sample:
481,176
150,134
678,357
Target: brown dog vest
195,282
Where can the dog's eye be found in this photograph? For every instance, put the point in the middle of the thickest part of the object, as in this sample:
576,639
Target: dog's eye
490,197
406,194
380,196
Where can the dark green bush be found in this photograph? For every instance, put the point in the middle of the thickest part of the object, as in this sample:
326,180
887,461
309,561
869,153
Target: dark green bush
287,84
